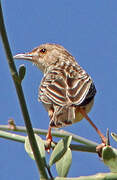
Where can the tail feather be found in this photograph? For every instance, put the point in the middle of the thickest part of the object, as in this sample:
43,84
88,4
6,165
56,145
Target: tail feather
71,113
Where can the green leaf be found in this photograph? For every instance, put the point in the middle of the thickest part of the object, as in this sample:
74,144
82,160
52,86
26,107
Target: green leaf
41,147
109,156
22,72
63,165
60,150
114,136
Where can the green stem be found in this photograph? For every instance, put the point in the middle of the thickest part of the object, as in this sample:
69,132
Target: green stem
56,133
21,139
11,136
99,176
20,94
79,138
83,148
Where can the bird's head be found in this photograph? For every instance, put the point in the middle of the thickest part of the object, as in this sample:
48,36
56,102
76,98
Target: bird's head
46,55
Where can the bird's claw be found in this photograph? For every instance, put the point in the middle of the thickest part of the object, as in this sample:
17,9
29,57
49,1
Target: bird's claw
101,146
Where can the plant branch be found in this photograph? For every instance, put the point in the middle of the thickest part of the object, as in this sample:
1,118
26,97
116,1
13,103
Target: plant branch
21,98
99,176
56,133
21,139
11,136
83,148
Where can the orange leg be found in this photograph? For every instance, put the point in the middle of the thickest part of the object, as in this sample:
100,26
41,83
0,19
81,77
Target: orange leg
48,139
103,138
49,136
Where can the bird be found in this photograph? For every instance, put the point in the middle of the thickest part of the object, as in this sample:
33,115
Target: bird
67,91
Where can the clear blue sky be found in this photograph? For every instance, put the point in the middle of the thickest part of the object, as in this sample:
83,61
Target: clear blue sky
88,29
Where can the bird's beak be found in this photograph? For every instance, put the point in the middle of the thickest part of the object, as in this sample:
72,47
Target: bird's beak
25,56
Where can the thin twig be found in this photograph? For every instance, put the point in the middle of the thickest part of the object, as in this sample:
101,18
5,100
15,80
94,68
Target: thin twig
12,136
82,148
56,133
21,139
98,176
49,172
21,98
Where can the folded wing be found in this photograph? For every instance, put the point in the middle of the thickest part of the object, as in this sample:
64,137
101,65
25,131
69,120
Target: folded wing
67,85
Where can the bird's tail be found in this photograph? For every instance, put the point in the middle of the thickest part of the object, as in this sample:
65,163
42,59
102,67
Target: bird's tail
64,117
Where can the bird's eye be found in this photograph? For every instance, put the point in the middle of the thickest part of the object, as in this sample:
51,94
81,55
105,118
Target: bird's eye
43,50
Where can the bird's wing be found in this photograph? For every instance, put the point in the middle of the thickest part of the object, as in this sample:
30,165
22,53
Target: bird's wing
53,88
67,85
81,89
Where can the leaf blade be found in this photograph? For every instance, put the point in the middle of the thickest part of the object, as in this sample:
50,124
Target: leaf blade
63,165
60,150
41,147
22,72
109,156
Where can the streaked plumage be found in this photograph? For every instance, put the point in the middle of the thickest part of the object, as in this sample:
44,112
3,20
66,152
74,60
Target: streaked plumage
66,90
65,87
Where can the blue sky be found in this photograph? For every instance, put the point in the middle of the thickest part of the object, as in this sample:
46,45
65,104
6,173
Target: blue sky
88,29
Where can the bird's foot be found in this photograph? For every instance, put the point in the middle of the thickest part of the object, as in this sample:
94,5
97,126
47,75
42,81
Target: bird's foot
104,140
99,149
101,146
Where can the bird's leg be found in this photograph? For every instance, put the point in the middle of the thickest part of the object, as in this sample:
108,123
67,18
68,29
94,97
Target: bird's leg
48,140
103,138
49,136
